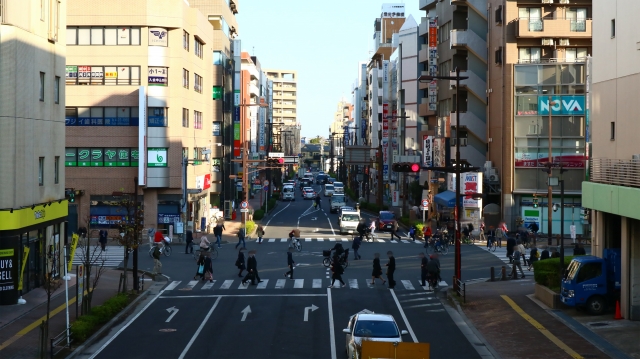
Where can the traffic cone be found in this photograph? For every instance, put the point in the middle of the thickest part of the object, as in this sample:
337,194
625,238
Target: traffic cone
618,314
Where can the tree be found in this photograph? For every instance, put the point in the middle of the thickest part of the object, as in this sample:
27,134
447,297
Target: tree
51,283
316,140
91,258
130,233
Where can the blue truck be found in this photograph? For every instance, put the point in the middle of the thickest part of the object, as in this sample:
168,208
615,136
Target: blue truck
591,282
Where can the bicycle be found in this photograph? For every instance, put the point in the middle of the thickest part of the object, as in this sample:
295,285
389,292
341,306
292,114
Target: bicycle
467,239
436,246
327,261
212,252
166,249
493,244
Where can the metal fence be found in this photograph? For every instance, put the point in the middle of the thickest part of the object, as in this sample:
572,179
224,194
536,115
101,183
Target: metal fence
615,172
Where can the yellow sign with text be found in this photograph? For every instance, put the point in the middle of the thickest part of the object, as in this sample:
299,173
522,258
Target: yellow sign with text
26,217
24,264
387,350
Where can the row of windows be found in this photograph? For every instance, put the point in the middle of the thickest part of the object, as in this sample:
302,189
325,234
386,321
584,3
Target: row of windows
101,116
533,54
102,75
101,35
197,119
101,157
56,170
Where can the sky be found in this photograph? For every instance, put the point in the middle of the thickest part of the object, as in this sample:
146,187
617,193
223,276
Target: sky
322,40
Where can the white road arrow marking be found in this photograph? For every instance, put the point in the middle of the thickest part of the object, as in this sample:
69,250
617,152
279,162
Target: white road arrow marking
314,218
170,310
306,311
245,312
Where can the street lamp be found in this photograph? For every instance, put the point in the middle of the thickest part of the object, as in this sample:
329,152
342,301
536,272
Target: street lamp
457,78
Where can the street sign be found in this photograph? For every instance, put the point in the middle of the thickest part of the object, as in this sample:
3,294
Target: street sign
266,182
244,204
425,203
244,210
290,159
266,188
276,154
194,190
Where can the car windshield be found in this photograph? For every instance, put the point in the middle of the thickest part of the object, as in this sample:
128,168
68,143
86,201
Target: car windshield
350,217
309,190
572,269
386,215
376,329
329,187
287,189
337,198
338,184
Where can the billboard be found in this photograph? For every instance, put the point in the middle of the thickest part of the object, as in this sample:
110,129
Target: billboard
562,105
427,151
538,160
439,152
433,63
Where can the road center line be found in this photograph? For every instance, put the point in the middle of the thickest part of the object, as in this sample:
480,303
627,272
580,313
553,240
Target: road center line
404,317
332,334
239,295
274,216
329,220
193,338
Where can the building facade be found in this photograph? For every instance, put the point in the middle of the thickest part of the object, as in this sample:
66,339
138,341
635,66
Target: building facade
285,96
147,114
612,189
33,208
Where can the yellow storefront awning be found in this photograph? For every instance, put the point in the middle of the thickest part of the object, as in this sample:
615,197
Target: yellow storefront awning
27,217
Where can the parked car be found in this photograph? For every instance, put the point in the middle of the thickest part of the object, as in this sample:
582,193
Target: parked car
373,327
385,220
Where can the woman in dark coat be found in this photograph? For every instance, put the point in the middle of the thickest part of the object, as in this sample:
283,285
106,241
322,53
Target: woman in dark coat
240,262
208,269
377,270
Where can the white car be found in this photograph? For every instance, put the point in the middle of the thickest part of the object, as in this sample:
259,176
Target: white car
338,187
373,327
328,190
308,193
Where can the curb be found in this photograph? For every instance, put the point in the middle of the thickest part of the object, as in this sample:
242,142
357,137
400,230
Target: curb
484,349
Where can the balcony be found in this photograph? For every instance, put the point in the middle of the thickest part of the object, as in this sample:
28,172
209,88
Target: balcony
423,108
613,187
425,3
473,84
423,54
474,125
480,6
423,28
554,28
470,41
624,173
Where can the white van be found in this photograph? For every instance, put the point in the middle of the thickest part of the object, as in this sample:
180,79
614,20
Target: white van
349,221
328,190
288,193
337,201
338,187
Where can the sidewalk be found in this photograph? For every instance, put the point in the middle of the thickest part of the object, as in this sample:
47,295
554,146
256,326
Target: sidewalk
19,324
516,325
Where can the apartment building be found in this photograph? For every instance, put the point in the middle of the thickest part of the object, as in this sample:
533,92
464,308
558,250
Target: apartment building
33,207
342,117
138,103
612,189
285,96
538,53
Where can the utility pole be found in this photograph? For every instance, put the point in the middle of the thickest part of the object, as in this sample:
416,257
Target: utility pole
380,164
550,189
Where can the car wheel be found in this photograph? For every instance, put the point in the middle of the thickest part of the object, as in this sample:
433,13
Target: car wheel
596,305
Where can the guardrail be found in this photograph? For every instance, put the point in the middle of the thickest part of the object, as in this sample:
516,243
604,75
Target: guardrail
63,338
615,172
460,289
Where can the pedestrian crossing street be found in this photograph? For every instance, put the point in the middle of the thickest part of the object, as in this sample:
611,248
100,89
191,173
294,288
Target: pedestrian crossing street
501,253
112,257
284,283
406,240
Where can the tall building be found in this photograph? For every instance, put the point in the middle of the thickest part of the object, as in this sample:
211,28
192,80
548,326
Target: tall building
538,53
285,96
123,125
612,189
342,117
33,208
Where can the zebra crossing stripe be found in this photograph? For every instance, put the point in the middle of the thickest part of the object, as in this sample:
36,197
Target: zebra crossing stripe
208,285
280,283
344,239
404,241
192,283
317,283
307,239
332,239
298,283
353,283
173,285
283,239
271,240
263,285
393,241
243,286
226,284
380,240
435,311
320,239
368,281
423,305
407,285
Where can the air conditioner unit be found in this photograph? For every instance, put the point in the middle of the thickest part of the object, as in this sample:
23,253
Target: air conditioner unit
635,157
564,42
547,41
463,142
493,178
488,164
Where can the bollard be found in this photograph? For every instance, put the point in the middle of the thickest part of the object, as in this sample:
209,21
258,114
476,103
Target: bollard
503,273
493,274
514,274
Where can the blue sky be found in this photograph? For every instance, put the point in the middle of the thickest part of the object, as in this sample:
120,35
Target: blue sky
322,40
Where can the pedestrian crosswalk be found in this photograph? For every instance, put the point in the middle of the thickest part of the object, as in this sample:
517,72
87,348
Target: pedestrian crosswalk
351,283
501,253
386,239
112,257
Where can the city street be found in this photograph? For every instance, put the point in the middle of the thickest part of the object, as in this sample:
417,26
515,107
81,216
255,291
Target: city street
284,318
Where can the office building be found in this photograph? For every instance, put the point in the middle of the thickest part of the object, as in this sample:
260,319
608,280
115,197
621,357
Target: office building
612,189
285,96
33,207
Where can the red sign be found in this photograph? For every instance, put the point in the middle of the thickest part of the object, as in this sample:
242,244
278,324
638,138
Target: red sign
207,181
385,111
433,36
529,160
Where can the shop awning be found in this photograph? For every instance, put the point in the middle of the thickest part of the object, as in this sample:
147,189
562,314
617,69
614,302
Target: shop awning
446,199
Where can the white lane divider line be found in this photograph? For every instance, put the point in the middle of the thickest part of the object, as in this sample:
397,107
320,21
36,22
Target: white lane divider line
280,283
353,283
274,216
208,285
173,285
263,284
317,283
423,305
332,333
404,317
407,285
298,283
272,239
226,284
193,339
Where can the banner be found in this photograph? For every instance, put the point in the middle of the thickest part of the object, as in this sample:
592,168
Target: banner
427,151
433,63
439,152
562,105
538,160
471,183
72,250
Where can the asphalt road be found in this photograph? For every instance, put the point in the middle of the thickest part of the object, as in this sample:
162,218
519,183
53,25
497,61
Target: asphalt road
283,318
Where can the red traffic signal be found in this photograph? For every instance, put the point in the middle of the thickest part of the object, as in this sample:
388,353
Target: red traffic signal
406,167
275,161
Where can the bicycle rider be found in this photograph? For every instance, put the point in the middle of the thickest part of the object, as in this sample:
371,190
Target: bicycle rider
158,240
295,233
362,228
318,200
338,248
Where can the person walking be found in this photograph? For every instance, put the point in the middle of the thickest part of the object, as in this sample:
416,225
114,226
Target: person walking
423,269
372,227
377,270
200,264
511,244
252,268
290,263
533,257
102,238
544,254
391,268
337,270
412,233
499,234
189,239
217,231
241,234
318,201
427,234
240,262
208,268
260,233
517,255
394,229
355,246
433,271
204,244
157,265
151,232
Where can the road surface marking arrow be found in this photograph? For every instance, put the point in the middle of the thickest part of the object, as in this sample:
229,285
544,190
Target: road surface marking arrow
170,310
245,312
306,311
314,218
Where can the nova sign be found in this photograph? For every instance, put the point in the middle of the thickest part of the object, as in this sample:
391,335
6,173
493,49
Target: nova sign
562,105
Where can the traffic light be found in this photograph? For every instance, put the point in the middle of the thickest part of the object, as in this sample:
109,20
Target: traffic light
535,202
406,167
70,194
275,161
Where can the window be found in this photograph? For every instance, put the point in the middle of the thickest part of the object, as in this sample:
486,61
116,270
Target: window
578,17
197,120
198,83
41,171
185,117
198,47
498,16
101,116
444,31
185,40
533,15
56,89
589,271
42,86
218,58
156,117
613,28
103,35
56,170
575,54
528,55
102,75
185,78
613,131
498,56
